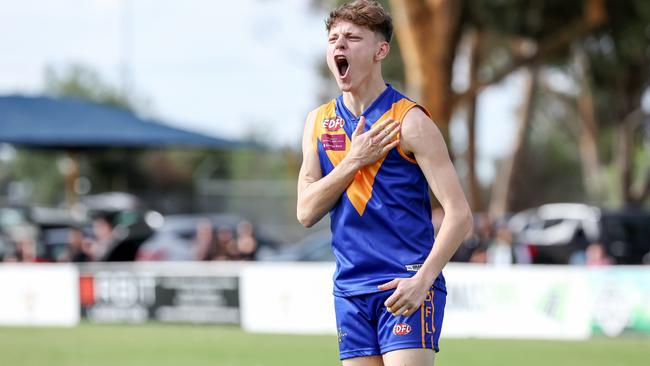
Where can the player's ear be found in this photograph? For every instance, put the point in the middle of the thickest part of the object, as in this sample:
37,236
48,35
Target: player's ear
382,51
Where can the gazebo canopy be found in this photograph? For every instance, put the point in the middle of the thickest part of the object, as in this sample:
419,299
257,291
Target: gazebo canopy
45,122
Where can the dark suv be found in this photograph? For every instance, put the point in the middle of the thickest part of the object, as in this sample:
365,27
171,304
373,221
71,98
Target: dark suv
554,232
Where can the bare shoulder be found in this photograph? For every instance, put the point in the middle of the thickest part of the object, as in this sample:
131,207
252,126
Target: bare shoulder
311,116
308,130
310,168
419,132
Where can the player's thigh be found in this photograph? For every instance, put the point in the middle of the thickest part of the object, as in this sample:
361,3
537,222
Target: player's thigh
364,361
409,357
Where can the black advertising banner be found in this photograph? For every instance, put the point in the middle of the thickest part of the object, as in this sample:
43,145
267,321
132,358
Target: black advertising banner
137,297
197,300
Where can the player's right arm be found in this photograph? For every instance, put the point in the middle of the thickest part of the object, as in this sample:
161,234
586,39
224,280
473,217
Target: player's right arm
317,194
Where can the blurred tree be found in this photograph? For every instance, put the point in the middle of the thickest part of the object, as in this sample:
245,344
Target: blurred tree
106,170
164,178
502,192
619,60
523,33
550,164
80,81
504,35
610,74
39,175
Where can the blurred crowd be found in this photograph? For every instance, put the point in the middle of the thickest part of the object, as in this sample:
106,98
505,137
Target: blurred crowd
126,236
223,243
552,234
493,242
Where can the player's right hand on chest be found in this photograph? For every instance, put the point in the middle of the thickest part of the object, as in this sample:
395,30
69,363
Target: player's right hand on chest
367,147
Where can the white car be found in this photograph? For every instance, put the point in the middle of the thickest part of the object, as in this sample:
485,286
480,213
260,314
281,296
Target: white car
554,232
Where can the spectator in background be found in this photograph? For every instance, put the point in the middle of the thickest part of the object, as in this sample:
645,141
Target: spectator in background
500,252
474,246
79,248
104,238
467,247
479,255
204,240
25,247
595,255
578,257
226,244
20,244
246,242
485,228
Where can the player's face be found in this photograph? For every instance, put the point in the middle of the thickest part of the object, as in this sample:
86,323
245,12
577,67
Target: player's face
353,53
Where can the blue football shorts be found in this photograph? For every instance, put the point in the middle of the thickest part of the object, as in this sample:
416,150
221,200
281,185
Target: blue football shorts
366,328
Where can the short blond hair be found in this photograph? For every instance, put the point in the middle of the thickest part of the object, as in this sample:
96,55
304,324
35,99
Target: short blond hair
364,13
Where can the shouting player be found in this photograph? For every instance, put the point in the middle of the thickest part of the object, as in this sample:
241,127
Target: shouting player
369,159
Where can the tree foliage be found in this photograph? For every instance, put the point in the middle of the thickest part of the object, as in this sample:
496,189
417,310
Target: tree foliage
604,129
82,82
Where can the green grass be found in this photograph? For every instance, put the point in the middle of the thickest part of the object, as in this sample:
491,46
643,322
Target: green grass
160,345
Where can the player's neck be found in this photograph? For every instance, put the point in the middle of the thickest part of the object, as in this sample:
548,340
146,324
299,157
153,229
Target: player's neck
360,98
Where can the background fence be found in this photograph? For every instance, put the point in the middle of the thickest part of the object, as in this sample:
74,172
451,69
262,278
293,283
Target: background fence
533,302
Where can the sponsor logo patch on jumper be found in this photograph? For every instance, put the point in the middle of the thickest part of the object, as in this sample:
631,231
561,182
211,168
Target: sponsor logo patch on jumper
401,329
333,124
413,267
333,142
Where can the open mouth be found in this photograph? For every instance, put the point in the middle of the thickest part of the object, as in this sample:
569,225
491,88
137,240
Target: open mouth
342,65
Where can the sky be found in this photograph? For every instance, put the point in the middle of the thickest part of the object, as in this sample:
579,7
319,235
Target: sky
250,67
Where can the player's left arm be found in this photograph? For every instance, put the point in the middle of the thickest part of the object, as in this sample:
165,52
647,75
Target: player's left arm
422,138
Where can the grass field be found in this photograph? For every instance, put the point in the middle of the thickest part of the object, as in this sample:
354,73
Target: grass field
159,345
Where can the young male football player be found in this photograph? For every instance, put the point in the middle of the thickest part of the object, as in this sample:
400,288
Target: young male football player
370,157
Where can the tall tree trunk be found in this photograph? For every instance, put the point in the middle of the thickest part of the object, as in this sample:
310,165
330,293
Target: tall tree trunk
502,189
476,200
643,192
630,194
591,165
428,32
624,161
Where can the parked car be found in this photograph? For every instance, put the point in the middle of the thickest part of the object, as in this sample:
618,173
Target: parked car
555,232
48,228
626,236
12,218
45,227
316,247
54,225
175,239
132,222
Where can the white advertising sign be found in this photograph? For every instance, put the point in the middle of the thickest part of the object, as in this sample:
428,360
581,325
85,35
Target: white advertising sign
39,294
288,298
517,302
620,300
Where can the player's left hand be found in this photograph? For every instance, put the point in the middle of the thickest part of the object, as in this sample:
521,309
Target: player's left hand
408,296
